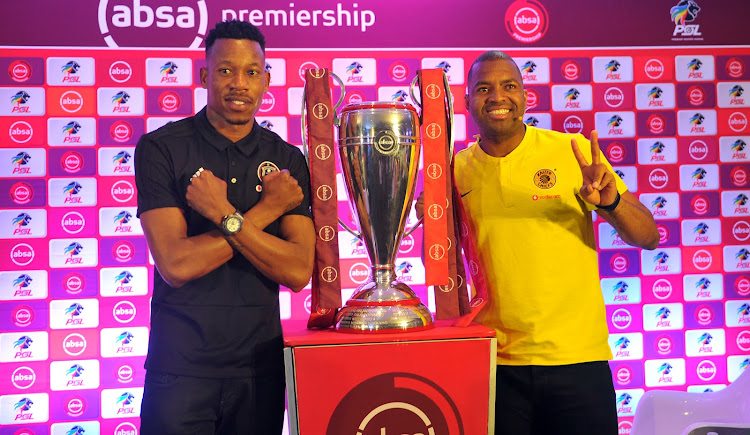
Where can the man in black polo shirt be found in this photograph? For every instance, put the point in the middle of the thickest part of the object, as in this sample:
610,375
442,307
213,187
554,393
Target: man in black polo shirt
224,205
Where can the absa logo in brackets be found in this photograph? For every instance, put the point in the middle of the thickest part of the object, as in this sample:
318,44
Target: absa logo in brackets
163,23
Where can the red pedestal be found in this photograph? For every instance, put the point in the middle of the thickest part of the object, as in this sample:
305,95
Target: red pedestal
438,381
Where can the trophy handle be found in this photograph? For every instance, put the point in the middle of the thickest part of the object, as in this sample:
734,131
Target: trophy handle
336,119
449,96
419,222
336,122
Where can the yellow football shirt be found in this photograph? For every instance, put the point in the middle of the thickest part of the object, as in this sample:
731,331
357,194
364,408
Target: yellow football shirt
536,244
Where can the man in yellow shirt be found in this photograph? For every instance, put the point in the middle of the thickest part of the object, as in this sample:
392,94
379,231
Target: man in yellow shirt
528,195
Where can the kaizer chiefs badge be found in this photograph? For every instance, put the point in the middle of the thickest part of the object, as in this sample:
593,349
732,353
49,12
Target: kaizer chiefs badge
545,178
264,169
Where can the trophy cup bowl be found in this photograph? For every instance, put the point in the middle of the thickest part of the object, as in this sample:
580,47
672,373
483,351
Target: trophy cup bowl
379,148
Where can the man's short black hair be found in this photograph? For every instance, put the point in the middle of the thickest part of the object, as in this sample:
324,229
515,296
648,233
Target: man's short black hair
235,30
488,56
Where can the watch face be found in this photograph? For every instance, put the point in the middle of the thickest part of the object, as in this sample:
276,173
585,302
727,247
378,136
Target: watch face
233,224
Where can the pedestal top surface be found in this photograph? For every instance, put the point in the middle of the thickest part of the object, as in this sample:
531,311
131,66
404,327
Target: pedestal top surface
297,334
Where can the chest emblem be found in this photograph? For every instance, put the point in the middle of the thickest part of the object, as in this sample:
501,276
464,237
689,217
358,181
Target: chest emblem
264,169
545,178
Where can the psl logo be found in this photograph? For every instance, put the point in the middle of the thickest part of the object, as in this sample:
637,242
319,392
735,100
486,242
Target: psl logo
121,279
704,340
69,130
662,316
658,206
22,220
120,159
19,160
620,290
621,344
571,95
75,371
124,339
744,312
119,100
696,122
656,152
664,370
613,123
526,71
700,232
21,346
168,71
21,285
698,177
354,69
400,96
739,202
702,288
622,403
21,408
124,400
684,12
611,69
73,188
72,251
693,69
74,310
21,97
735,93
654,96
122,218
70,69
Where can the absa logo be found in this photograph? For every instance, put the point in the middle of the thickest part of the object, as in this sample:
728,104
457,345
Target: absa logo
20,132
662,289
526,21
19,71
171,25
654,69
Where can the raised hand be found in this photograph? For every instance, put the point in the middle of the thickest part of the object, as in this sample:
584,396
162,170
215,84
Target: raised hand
207,194
599,186
281,191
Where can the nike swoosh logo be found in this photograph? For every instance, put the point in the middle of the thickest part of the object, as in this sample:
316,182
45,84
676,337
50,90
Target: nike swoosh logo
464,194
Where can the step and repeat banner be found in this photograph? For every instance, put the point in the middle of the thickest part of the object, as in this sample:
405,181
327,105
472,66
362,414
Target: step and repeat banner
663,82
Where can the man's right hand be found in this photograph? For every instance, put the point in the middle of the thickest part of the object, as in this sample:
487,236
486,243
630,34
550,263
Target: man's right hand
419,207
281,192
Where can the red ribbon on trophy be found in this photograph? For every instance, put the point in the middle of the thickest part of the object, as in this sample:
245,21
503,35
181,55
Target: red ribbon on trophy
326,277
446,228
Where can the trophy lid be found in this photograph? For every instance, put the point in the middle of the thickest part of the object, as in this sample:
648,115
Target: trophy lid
378,105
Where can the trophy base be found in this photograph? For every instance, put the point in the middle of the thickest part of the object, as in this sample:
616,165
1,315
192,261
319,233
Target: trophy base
384,318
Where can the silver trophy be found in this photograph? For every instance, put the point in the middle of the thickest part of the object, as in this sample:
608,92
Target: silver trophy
379,148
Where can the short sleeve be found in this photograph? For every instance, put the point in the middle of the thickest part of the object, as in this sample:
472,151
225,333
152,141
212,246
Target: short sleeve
155,177
299,170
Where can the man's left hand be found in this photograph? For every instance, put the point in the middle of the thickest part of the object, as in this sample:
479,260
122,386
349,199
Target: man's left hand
599,187
207,194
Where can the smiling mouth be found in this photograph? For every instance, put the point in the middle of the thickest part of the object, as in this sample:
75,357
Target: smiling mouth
499,111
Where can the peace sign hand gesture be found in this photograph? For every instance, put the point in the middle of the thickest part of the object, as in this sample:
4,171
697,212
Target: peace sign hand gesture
599,187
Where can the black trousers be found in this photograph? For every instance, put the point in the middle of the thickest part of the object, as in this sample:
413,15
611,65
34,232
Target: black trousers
570,399
182,405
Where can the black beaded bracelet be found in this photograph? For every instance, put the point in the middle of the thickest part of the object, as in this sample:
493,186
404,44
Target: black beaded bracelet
612,206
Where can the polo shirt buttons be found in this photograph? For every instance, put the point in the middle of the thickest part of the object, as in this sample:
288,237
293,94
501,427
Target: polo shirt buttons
234,163
233,180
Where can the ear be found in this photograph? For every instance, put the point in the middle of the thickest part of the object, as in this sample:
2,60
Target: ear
268,81
467,99
204,77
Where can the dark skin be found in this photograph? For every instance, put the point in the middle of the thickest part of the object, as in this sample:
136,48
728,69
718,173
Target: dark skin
496,100
235,80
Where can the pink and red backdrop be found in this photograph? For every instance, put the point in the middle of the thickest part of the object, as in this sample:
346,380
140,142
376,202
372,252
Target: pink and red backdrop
663,82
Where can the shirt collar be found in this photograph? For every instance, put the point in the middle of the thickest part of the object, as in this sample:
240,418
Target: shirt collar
246,145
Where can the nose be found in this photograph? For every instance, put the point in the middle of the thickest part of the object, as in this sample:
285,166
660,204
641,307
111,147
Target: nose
496,93
239,82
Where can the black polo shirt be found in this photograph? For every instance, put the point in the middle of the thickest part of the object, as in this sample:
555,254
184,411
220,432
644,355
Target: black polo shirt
226,323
